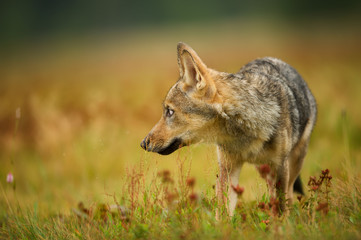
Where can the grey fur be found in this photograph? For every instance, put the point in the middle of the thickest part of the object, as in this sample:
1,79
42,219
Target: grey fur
263,114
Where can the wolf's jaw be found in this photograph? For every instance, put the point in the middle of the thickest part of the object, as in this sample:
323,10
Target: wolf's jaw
172,147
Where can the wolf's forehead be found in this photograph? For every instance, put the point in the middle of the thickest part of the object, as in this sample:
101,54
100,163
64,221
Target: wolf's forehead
173,90
175,96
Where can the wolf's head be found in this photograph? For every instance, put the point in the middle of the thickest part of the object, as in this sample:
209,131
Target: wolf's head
190,109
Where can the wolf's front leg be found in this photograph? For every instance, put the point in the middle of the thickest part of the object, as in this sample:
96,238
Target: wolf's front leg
229,170
221,190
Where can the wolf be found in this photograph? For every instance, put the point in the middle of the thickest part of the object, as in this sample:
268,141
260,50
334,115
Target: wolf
263,114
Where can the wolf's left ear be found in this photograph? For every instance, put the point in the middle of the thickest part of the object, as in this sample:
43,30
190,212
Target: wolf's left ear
193,71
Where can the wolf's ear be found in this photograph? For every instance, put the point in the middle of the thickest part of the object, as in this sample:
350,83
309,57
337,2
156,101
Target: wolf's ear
192,69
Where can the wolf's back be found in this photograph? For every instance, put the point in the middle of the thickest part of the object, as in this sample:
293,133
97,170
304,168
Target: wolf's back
301,103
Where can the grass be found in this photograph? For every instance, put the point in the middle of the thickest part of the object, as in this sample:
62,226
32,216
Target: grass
166,208
79,171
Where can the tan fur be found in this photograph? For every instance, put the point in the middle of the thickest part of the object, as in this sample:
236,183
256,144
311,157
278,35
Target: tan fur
256,115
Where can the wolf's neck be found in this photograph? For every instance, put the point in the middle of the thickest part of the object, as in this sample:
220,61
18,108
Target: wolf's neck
249,113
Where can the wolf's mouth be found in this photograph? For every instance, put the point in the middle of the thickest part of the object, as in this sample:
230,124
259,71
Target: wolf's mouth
173,146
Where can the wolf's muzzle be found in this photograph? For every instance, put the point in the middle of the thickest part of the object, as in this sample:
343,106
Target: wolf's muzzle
170,148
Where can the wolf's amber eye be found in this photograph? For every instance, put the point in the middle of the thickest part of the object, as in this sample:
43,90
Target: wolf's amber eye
169,112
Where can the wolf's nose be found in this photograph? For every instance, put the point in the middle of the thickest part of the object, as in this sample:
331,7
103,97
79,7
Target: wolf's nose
145,143
142,144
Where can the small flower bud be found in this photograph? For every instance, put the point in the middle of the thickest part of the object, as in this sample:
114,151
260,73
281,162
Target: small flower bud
18,113
10,178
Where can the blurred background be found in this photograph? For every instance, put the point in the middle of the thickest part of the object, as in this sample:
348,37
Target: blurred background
87,79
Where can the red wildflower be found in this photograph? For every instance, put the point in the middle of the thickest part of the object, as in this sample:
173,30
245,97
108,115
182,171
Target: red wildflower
322,207
239,190
264,170
190,182
265,221
193,197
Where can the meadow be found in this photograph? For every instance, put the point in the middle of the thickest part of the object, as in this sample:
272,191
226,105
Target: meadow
73,113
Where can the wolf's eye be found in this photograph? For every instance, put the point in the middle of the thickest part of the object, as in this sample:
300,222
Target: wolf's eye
169,112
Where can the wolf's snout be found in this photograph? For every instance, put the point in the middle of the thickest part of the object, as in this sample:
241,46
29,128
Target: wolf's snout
145,143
